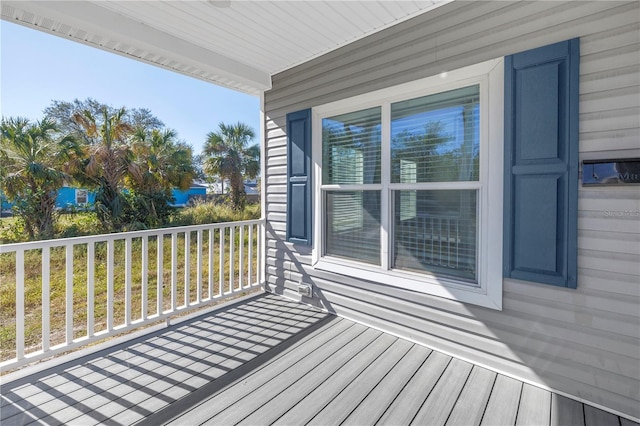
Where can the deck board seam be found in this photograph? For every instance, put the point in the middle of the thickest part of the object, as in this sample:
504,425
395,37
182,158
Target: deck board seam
334,370
424,401
292,366
484,411
354,379
409,379
413,345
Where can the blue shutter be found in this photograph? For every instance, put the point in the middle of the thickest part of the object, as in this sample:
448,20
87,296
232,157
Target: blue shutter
541,164
299,195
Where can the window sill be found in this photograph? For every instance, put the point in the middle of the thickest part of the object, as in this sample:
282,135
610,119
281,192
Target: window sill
447,288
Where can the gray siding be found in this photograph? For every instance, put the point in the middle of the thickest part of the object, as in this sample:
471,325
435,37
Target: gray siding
583,342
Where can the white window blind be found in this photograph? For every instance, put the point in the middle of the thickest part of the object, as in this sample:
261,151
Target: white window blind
351,148
353,225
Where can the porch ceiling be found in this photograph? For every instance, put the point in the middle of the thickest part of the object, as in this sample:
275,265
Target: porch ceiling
239,44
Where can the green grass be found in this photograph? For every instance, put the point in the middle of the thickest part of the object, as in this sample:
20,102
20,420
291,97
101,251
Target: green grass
83,223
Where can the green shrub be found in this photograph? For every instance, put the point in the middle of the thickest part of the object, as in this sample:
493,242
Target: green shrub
202,213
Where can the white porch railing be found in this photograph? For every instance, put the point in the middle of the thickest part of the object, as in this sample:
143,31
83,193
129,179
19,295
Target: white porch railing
74,291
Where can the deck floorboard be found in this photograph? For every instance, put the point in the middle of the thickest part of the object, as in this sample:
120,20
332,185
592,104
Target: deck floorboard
269,360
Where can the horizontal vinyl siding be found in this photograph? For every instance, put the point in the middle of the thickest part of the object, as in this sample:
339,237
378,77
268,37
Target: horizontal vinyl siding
584,342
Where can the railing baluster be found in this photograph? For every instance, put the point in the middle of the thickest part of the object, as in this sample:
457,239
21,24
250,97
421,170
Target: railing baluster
46,298
159,274
19,304
211,268
232,254
145,276
241,259
260,257
69,294
199,269
90,289
187,267
250,257
127,281
221,269
174,270
110,277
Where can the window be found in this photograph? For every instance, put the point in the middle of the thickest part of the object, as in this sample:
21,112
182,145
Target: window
408,185
82,196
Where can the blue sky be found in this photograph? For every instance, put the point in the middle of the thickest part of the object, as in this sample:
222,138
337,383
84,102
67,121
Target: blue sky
37,68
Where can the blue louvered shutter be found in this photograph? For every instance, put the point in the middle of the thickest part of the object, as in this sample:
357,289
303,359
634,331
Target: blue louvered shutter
541,164
299,172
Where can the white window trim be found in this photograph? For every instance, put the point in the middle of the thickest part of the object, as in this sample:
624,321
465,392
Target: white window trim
490,76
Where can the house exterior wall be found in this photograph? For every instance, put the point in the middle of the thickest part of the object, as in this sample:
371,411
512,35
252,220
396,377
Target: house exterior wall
181,198
67,197
583,342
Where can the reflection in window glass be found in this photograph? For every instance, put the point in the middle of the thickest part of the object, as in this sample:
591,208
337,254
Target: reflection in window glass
439,134
353,225
438,234
351,148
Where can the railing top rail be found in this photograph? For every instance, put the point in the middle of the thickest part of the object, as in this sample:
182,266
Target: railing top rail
59,242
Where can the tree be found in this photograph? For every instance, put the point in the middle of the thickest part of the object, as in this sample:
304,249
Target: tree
62,113
109,160
31,170
230,157
162,163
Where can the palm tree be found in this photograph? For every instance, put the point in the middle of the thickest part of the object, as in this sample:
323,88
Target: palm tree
31,170
162,163
110,159
230,158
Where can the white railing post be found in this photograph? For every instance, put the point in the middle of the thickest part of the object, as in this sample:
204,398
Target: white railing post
232,255
160,274
90,289
187,268
199,269
127,281
69,294
250,262
110,278
211,260
262,241
145,276
19,304
241,259
174,270
46,298
221,261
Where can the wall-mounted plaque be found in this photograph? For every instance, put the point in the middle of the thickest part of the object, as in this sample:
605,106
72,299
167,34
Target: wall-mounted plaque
611,172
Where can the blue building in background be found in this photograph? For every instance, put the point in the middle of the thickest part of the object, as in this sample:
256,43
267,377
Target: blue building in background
181,198
71,197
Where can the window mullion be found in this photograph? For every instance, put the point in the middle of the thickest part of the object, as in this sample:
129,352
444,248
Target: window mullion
385,214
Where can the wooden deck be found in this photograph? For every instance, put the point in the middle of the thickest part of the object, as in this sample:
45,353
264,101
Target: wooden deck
268,360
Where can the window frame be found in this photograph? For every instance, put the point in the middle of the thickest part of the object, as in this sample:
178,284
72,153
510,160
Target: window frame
489,76
78,195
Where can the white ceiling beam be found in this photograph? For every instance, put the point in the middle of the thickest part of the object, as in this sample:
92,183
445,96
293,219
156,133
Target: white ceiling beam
98,20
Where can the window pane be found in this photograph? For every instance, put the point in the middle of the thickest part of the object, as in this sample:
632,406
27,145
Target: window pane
435,231
353,225
436,138
351,148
